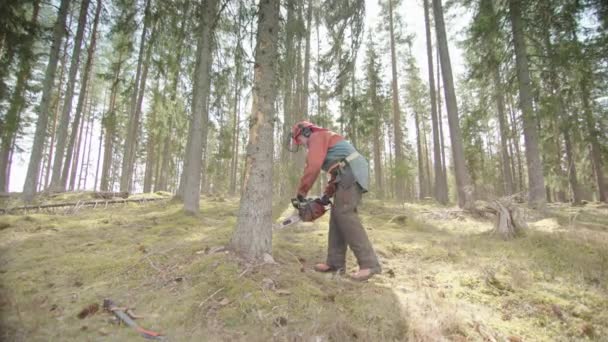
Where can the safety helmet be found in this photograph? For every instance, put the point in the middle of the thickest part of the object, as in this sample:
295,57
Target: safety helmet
303,128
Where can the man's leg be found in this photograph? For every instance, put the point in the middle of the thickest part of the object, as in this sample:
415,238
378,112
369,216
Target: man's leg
345,216
336,245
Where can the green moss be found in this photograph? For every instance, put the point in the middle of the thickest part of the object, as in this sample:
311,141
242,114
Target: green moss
443,274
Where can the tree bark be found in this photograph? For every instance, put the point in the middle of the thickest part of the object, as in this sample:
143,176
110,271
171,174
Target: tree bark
109,124
304,105
128,157
536,180
421,176
86,160
463,187
562,116
12,120
29,188
238,58
198,131
81,97
55,113
252,236
441,186
57,183
399,158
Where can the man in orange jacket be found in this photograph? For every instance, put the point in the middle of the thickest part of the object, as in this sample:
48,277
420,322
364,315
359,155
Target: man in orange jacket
328,151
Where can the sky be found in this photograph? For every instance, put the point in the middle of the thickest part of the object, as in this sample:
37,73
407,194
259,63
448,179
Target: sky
412,13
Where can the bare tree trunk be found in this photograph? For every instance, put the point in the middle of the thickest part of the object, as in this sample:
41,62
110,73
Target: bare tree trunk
304,105
192,181
55,114
238,57
440,122
515,136
377,142
421,179
427,165
12,120
441,186
29,188
465,197
508,186
128,157
562,116
81,99
399,158
109,124
536,180
252,236
288,109
57,184
73,167
151,143
86,158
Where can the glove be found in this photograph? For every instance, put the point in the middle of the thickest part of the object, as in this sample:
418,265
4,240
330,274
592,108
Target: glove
324,200
295,202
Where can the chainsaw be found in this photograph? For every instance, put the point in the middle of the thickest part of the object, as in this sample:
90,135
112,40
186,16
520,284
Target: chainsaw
306,211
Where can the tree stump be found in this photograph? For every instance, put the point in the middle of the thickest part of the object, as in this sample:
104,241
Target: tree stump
509,219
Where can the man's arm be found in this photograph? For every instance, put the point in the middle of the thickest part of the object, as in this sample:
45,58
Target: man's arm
317,150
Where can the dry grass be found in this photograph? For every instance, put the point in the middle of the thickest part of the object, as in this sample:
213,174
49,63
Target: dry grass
445,278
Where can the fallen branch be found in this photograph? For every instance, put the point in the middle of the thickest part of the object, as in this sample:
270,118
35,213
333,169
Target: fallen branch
110,195
79,204
214,293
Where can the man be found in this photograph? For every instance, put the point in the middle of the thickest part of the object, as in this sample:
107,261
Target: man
328,151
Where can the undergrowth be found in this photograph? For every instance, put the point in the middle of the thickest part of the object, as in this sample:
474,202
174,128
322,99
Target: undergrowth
445,277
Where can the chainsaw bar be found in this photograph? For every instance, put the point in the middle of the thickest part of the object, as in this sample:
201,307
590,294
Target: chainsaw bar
293,219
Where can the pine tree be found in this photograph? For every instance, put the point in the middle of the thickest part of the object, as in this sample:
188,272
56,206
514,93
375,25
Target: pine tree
252,236
31,180
536,196
462,176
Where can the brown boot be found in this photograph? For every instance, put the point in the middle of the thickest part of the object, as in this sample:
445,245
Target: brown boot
324,268
364,274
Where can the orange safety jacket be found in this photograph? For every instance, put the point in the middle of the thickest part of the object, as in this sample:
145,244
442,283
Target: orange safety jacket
318,144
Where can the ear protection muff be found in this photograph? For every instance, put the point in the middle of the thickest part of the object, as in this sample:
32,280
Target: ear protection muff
306,131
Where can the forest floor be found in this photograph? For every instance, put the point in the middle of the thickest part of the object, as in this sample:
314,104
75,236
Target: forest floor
445,277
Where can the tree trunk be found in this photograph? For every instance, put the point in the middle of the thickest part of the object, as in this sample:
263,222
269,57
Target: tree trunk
81,97
29,188
304,105
238,58
12,120
109,124
252,236
441,187
562,116
78,146
55,113
440,122
151,143
465,196
515,136
198,132
377,141
421,175
399,158
536,197
57,183
128,157
288,111
86,160
508,185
